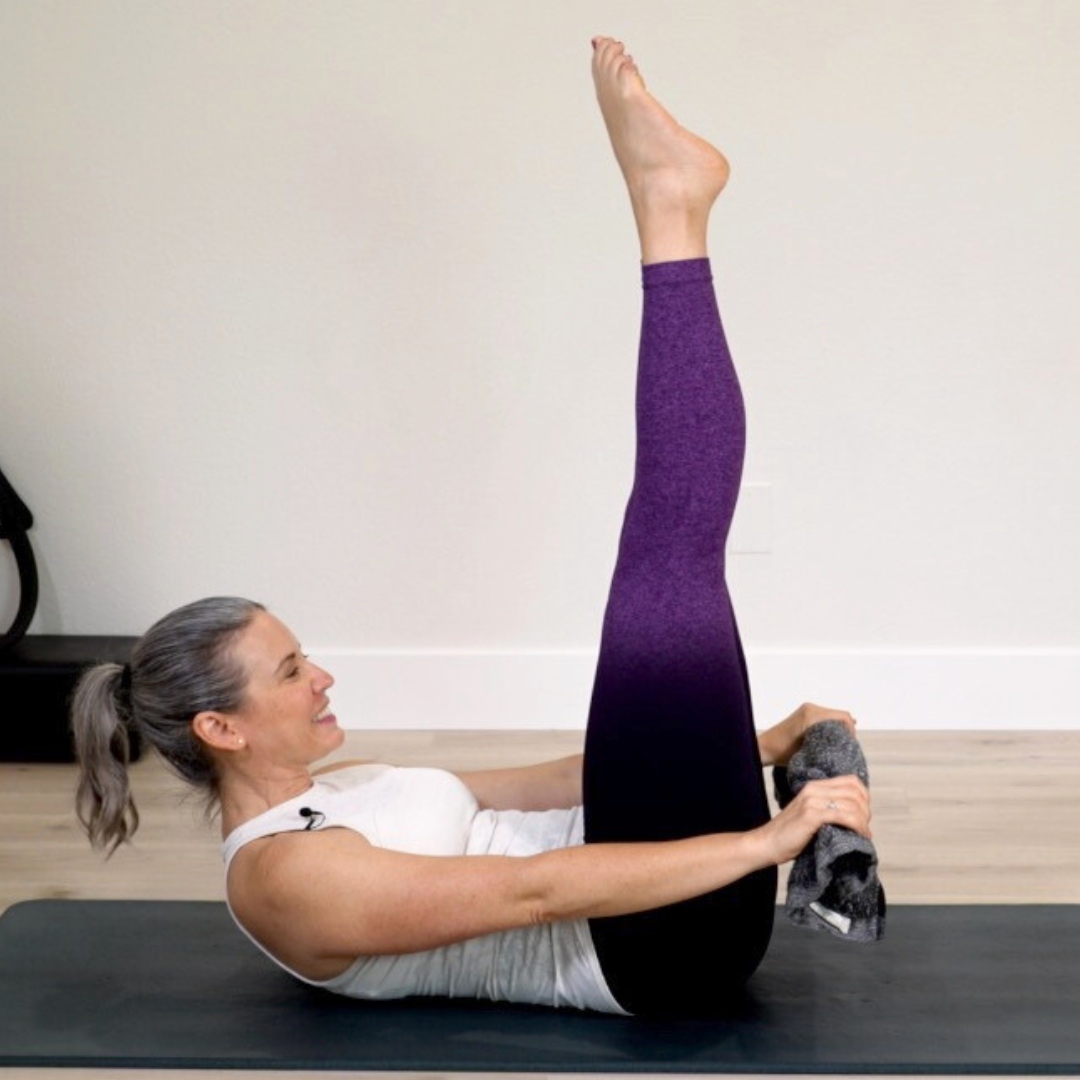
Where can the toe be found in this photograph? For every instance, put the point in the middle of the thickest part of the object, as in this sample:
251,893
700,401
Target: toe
601,47
609,52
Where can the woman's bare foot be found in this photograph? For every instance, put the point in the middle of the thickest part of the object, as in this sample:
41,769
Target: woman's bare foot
673,176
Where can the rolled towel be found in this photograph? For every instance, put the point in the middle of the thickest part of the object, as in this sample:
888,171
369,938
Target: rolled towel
834,883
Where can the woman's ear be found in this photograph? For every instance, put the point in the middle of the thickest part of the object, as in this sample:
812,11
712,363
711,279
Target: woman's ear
217,731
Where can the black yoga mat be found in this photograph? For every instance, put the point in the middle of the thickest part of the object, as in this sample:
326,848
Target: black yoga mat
984,989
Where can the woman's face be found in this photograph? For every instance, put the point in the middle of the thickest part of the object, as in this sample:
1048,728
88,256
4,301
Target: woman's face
285,719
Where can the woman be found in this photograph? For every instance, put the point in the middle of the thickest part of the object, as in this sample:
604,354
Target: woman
638,879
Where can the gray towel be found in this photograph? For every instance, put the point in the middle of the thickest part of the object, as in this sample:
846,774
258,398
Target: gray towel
834,882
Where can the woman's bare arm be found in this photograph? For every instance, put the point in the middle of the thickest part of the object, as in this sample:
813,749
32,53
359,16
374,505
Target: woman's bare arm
317,901
547,786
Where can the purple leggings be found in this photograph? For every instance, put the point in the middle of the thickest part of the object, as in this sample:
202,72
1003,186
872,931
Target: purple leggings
670,750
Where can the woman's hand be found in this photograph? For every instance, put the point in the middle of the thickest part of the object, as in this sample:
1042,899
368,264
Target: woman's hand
778,744
840,800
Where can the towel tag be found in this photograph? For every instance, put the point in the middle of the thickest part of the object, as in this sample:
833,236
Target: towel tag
833,918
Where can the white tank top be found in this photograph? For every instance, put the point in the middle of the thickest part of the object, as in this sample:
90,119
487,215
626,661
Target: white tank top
432,812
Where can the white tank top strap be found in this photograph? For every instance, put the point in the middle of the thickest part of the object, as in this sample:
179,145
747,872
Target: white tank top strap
311,809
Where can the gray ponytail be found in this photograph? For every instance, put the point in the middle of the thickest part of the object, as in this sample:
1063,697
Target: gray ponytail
182,665
103,800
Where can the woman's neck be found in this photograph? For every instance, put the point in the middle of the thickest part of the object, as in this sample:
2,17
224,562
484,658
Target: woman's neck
247,791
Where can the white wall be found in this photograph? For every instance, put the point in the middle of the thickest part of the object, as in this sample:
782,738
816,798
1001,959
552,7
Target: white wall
335,305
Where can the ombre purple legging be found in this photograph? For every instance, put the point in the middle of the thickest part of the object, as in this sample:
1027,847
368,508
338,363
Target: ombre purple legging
671,750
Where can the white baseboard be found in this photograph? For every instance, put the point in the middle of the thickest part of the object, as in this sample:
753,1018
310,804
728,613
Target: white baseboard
896,689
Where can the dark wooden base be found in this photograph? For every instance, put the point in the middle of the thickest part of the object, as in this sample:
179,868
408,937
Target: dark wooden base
37,677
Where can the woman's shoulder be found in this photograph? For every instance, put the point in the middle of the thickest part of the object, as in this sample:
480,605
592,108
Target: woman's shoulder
290,853
281,884
287,867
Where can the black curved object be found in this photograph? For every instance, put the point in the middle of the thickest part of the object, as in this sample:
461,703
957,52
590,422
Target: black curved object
15,522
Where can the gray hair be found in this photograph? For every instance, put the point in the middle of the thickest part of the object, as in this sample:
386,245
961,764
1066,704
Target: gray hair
181,666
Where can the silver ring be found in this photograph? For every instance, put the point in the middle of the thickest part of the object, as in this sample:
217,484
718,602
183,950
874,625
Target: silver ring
831,806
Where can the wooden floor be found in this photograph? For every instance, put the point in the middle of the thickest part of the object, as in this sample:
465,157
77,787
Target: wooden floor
959,817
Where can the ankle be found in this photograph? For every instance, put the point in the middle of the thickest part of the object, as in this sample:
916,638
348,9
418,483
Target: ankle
672,235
